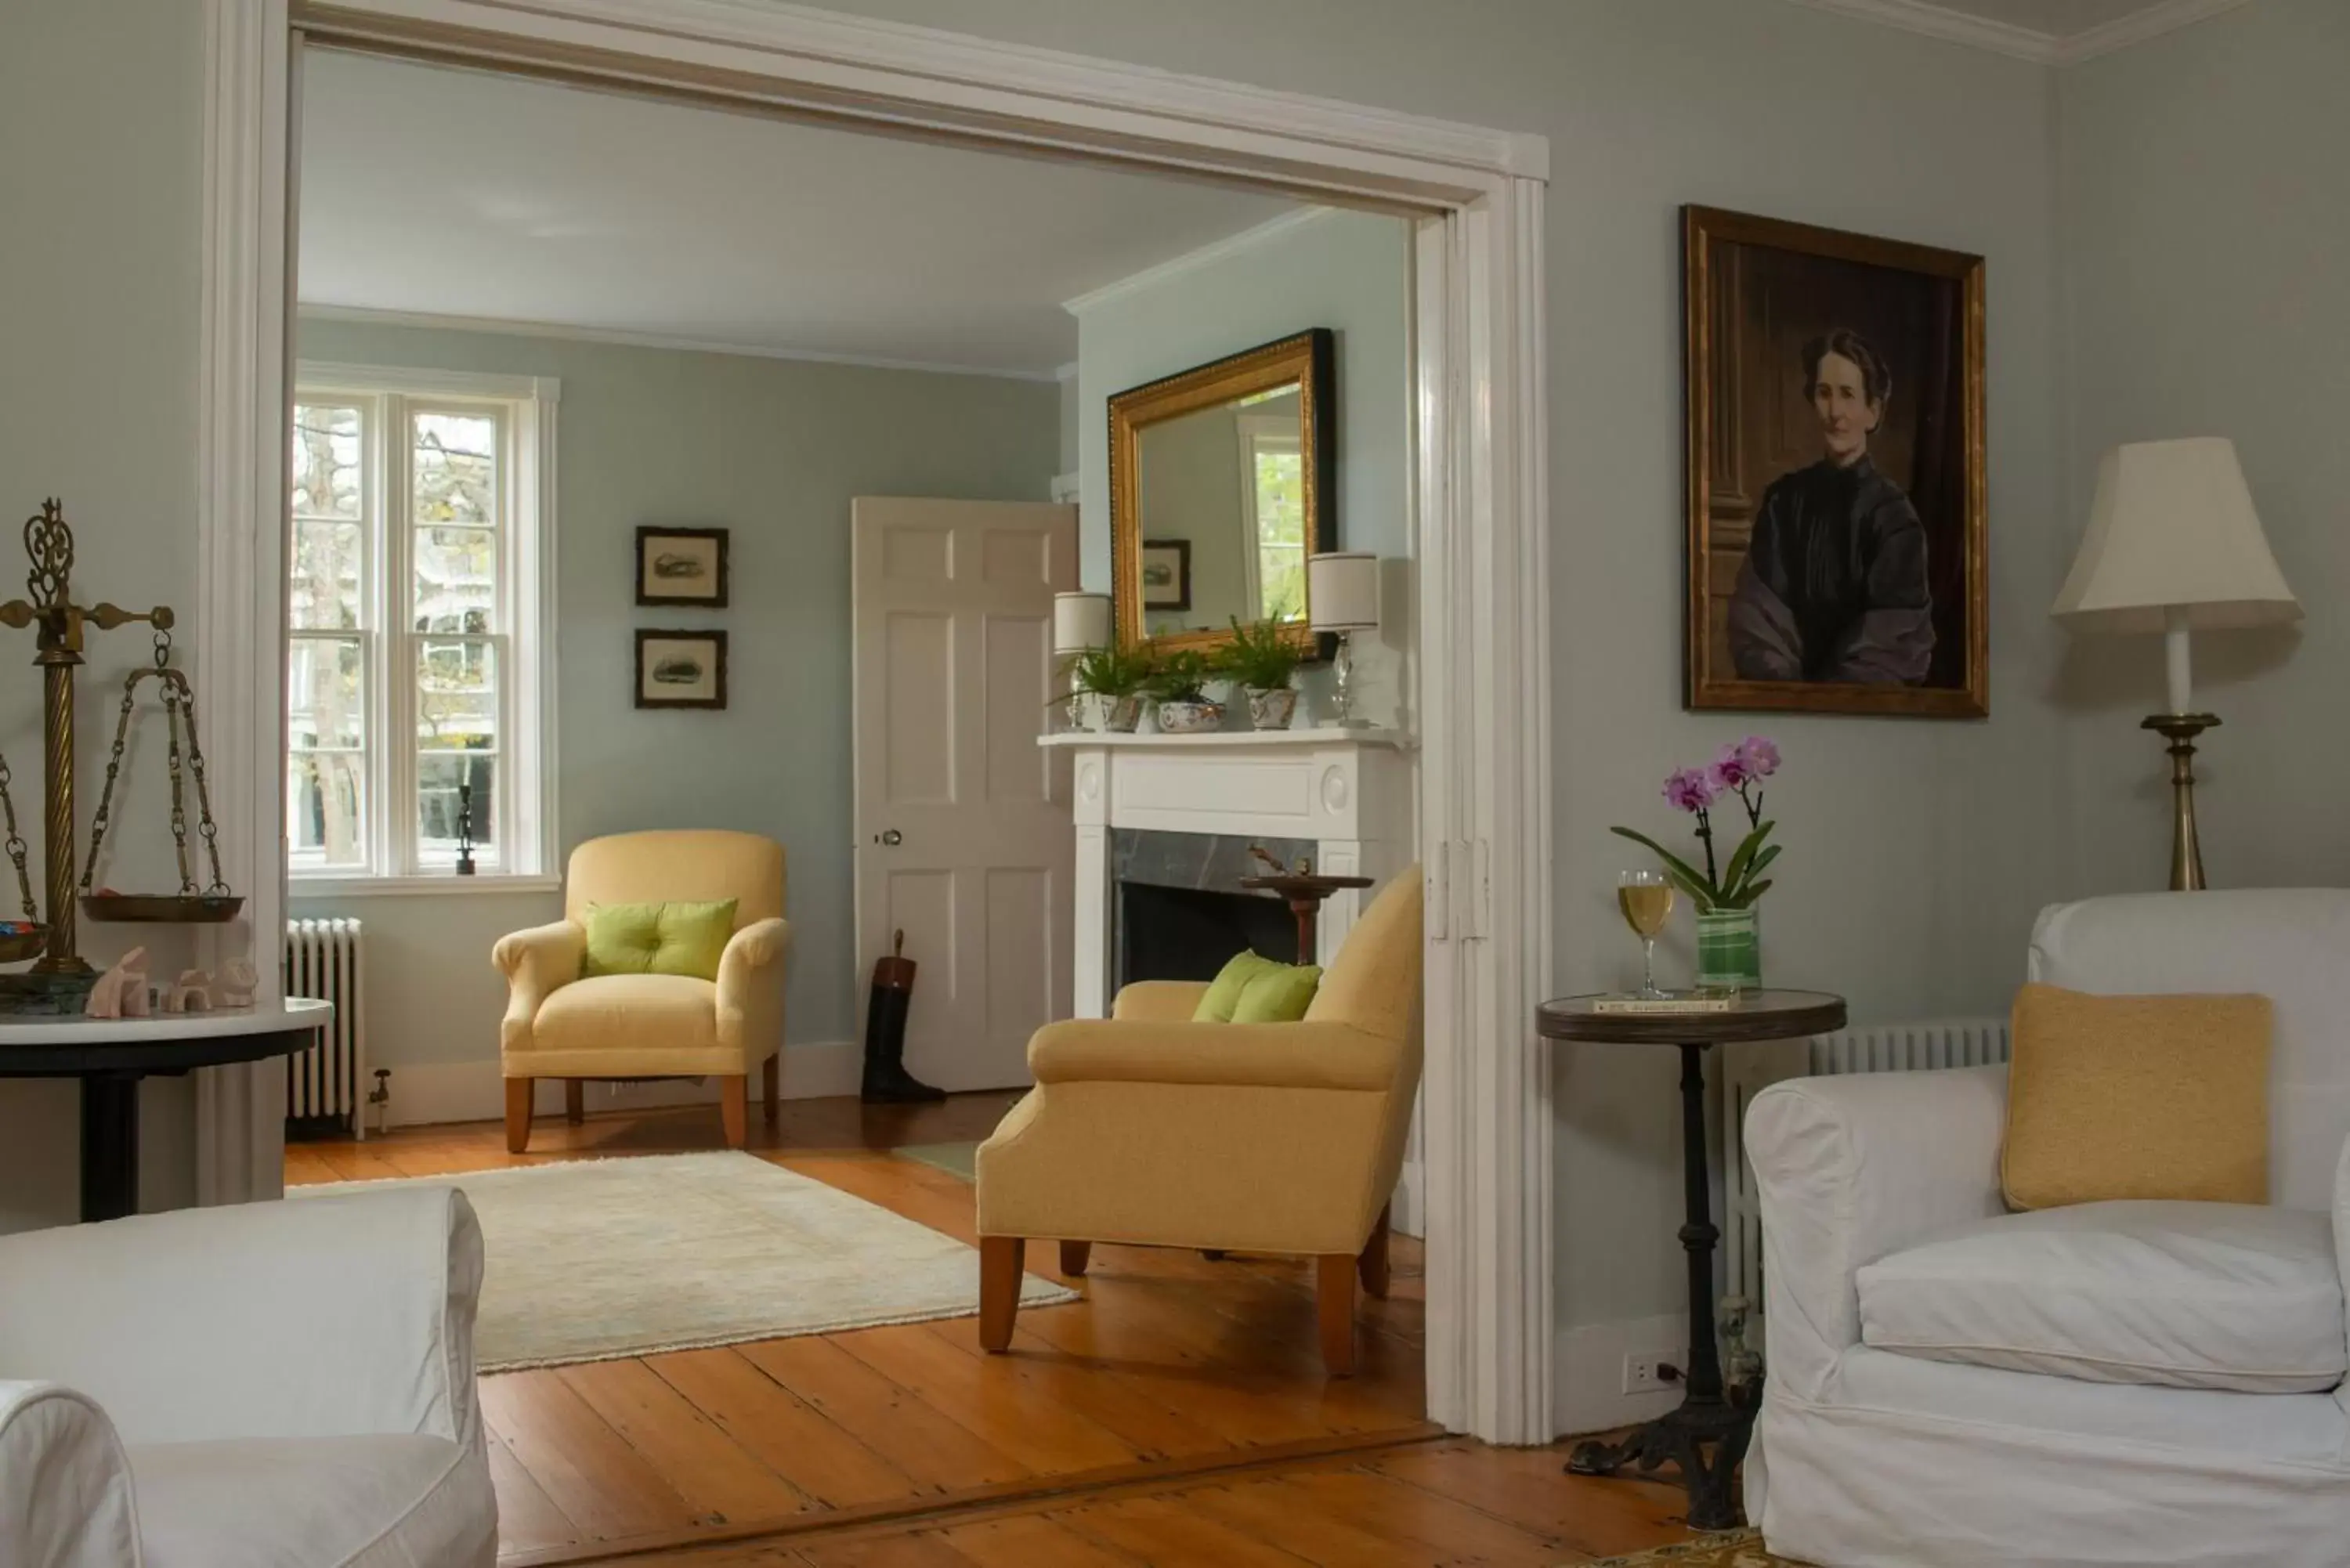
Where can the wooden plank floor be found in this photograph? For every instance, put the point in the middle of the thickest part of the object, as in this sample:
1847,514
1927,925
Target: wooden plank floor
1177,1387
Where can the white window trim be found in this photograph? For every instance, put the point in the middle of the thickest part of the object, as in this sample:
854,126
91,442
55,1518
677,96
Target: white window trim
1255,432
529,666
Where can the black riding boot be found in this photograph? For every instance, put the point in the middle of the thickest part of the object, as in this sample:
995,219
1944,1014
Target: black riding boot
886,1082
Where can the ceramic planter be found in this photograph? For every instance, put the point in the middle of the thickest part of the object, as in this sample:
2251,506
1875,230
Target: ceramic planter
1181,717
1117,715
1271,707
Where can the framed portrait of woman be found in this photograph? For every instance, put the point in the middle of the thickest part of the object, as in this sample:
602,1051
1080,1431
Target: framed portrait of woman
1837,559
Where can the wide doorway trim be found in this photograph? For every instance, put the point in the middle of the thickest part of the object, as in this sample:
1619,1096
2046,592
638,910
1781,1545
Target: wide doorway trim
1479,494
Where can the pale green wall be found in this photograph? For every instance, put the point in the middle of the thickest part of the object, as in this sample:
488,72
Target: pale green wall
99,184
2207,244
773,450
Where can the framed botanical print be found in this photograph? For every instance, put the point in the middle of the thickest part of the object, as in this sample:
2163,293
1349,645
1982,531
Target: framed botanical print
1166,574
683,566
1836,553
680,669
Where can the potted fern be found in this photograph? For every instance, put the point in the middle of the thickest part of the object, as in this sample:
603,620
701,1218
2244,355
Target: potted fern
1115,677
1178,680
1261,659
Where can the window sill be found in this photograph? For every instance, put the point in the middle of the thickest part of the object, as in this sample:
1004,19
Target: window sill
322,887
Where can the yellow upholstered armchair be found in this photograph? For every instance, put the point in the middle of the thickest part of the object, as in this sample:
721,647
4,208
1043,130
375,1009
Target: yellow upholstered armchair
559,1025
1148,1128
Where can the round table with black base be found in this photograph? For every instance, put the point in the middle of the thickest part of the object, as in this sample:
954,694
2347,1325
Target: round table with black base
109,1055
1706,1436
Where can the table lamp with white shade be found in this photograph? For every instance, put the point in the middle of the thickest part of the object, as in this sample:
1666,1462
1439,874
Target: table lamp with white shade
1342,587
2174,546
1081,623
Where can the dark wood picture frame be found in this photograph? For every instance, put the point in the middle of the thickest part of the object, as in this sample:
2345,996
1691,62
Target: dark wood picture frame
648,536
714,637
1752,283
1181,597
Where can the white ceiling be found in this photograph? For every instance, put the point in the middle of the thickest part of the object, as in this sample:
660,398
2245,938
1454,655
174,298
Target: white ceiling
452,193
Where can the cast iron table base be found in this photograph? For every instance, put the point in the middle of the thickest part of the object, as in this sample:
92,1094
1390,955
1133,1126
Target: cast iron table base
1706,1435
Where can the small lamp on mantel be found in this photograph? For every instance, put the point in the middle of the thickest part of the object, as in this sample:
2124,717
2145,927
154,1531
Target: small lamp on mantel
2174,546
1342,591
1080,625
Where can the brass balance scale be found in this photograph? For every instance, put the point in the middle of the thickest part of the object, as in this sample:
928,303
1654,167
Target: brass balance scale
60,978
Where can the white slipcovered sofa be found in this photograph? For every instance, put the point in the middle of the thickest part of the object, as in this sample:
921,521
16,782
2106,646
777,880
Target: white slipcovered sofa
2138,1382
271,1385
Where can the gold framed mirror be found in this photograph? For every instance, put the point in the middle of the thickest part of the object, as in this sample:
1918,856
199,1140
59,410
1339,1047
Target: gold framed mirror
1221,484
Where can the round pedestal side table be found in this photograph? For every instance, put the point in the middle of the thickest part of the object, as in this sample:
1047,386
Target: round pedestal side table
109,1055
1706,1435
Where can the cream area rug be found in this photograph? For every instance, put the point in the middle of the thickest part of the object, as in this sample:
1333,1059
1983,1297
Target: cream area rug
597,1258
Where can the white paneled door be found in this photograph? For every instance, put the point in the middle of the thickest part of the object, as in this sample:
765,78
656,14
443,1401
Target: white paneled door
964,838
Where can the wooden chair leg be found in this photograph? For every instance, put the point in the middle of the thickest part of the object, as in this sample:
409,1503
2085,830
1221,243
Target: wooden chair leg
575,1101
771,1084
1335,1298
1074,1255
735,1108
517,1115
1001,1260
1373,1264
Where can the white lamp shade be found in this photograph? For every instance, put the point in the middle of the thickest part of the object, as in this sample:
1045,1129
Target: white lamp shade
2173,528
1343,590
1080,622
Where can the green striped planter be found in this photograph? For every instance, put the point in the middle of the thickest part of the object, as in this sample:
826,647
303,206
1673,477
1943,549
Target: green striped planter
1729,949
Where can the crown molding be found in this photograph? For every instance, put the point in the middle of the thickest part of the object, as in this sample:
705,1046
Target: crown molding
623,338
2030,43
1192,261
1949,27
2128,31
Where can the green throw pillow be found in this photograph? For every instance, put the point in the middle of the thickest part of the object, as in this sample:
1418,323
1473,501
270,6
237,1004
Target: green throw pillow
1224,992
657,939
1279,996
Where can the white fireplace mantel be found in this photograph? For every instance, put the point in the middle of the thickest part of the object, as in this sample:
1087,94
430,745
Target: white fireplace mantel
1349,792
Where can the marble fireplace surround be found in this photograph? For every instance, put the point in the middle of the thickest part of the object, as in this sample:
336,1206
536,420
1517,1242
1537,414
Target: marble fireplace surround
1345,797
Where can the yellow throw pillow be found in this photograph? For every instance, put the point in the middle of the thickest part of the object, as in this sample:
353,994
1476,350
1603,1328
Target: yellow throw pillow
657,939
2137,1097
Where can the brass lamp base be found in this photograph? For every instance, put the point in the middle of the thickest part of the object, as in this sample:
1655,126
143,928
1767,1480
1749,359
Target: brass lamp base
2186,853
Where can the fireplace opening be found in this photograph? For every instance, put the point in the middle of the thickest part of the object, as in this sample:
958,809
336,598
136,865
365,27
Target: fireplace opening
1177,911
1189,933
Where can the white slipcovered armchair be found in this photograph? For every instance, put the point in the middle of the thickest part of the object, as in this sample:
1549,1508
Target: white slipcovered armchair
2201,1417
270,1386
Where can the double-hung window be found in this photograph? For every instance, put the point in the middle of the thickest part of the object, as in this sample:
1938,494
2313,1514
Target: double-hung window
419,665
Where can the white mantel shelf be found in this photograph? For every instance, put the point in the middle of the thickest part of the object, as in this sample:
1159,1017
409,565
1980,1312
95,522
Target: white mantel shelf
1397,739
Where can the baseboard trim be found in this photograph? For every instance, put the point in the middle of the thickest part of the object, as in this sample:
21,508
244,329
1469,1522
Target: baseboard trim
428,1093
1588,1395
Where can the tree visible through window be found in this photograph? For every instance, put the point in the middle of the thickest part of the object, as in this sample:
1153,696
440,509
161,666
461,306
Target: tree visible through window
405,605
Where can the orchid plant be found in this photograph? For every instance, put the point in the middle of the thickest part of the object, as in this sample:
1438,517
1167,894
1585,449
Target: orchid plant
1739,770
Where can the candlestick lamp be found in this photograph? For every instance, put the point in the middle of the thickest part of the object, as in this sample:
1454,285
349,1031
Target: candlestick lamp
2174,546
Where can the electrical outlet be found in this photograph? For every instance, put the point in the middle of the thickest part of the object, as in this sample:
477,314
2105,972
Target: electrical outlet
1642,1374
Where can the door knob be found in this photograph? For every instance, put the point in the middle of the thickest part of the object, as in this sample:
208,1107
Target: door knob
892,838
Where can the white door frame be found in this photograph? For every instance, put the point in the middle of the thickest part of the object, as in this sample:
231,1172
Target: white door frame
1479,491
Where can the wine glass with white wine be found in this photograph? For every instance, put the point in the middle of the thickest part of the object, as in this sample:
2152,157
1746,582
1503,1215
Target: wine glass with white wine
1646,900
